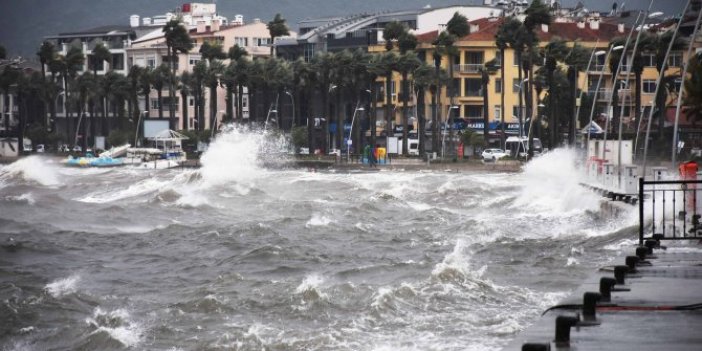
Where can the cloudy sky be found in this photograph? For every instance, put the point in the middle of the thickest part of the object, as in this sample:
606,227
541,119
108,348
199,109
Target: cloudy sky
23,23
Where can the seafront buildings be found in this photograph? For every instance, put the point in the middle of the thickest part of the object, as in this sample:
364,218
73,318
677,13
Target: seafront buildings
142,44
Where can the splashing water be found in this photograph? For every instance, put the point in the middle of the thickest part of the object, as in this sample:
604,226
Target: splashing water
31,169
552,184
237,155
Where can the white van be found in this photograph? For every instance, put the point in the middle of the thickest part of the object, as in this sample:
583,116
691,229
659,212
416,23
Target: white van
413,147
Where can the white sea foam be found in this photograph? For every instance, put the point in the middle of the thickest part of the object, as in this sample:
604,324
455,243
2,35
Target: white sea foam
33,169
551,184
63,287
141,188
310,288
26,197
117,324
318,220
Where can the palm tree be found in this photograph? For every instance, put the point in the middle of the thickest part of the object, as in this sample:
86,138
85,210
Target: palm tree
145,87
185,84
375,68
406,63
457,28
277,28
554,52
514,35
99,55
228,80
214,71
393,31
242,79
177,40
488,69
303,84
388,63
340,73
199,77
46,53
323,64
159,79
423,78
134,77
693,89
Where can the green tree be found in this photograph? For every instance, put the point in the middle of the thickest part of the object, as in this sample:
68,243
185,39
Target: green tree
423,78
393,31
185,83
406,63
178,41
488,69
99,56
692,99
159,79
277,28
46,54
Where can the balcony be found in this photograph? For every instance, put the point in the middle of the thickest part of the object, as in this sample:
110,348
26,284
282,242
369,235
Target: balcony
598,68
468,68
605,95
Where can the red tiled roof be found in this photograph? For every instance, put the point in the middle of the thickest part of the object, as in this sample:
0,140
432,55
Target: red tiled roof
488,27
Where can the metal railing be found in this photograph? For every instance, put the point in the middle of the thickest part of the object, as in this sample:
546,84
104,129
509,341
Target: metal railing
468,68
672,207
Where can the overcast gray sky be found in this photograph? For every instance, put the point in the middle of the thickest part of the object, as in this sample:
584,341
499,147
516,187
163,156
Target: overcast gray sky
23,23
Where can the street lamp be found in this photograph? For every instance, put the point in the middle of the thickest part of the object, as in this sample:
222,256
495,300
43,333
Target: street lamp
292,100
597,90
443,139
136,132
349,141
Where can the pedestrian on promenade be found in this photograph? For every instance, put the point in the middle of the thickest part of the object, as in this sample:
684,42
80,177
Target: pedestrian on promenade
372,156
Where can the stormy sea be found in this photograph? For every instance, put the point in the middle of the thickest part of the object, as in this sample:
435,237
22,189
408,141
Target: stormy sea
241,256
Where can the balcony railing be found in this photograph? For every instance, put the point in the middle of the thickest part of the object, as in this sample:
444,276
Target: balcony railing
468,68
605,94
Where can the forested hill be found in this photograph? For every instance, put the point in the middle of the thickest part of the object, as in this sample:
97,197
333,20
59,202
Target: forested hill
23,23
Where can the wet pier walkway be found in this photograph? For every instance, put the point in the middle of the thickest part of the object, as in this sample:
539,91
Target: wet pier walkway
651,300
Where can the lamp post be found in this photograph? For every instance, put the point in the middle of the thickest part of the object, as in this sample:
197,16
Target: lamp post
349,141
673,157
595,53
658,86
292,100
597,90
443,139
136,132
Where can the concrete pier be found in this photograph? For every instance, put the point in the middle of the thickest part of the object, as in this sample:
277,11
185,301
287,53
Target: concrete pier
653,303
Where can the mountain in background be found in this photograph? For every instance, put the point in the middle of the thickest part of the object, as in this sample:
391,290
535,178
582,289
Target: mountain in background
24,23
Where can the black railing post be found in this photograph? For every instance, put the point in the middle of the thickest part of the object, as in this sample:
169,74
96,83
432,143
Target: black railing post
641,210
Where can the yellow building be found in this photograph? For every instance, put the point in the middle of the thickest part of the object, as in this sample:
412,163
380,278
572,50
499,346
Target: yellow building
479,47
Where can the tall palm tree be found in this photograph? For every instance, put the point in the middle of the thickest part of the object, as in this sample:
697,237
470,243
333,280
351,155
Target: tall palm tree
393,31
46,53
554,52
693,89
178,41
214,71
388,63
423,78
185,85
145,87
457,28
323,64
375,68
303,84
159,79
277,28
199,77
488,69
340,73
134,76
514,35
242,79
99,56
228,80
406,63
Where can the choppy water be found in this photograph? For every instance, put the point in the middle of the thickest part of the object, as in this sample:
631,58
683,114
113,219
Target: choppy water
237,257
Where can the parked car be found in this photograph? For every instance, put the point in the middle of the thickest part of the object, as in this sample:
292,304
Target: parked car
40,148
77,148
493,154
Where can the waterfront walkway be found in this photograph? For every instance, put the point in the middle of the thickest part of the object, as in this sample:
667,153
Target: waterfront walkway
651,300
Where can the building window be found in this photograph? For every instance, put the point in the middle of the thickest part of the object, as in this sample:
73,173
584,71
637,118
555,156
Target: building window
194,59
515,85
515,112
191,101
309,52
262,41
648,60
151,62
498,85
498,58
167,101
675,60
241,41
498,113
167,60
515,59
474,57
473,86
474,111
95,64
678,85
154,104
649,86
118,62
